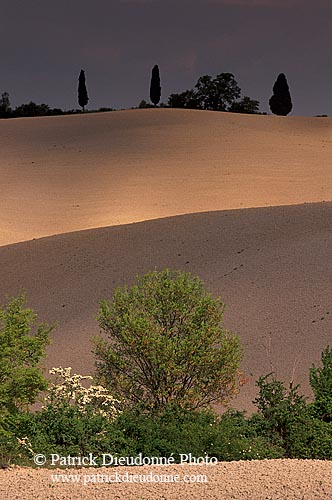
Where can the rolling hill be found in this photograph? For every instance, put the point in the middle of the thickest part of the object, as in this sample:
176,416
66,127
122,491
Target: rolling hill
87,202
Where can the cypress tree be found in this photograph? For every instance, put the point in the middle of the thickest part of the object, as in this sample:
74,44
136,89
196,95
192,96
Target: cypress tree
281,102
83,97
155,88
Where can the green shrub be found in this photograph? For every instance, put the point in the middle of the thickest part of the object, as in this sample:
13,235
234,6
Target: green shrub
310,438
170,433
289,423
279,408
321,383
23,343
167,344
177,431
9,446
66,432
74,420
237,439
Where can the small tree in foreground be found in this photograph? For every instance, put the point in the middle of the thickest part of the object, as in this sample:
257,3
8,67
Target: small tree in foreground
83,98
167,344
23,343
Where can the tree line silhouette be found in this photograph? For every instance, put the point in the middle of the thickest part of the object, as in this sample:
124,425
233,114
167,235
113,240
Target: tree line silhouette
221,93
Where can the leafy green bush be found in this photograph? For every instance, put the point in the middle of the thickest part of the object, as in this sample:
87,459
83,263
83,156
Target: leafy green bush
289,422
176,431
167,344
75,419
310,438
171,433
278,409
23,343
237,439
321,383
68,432
9,446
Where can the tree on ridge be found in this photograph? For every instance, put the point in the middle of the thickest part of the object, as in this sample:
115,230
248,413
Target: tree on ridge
5,109
155,88
83,97
221,93
281,102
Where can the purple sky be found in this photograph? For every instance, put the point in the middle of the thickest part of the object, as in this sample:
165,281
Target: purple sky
45,43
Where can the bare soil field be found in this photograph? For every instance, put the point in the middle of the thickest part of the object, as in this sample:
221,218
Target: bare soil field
243,480
68,173
244,202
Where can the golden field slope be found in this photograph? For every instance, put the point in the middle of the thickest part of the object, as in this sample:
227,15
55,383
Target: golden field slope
271,266
68,173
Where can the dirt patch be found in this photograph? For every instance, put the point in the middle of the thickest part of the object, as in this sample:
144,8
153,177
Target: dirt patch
243,480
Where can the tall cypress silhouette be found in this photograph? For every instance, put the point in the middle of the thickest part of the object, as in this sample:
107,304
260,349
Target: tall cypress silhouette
83,97
281,102
155,88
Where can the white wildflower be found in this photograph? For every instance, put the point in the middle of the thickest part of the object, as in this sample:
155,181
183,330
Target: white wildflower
68,389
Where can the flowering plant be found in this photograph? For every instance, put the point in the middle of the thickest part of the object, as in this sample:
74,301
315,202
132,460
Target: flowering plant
69,390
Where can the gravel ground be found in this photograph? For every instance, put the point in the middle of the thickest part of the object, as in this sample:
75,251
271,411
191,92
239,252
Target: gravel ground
244,480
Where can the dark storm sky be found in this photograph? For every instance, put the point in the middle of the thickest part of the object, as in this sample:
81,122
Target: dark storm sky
45,43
